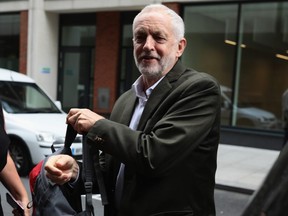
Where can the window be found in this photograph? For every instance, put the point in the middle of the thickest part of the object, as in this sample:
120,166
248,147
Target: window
9,41
245,47
76,60
129,72
23,97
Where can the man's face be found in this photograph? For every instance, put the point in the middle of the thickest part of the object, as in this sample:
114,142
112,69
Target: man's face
155,47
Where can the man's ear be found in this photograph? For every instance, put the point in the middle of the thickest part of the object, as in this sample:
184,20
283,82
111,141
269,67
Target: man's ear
181,46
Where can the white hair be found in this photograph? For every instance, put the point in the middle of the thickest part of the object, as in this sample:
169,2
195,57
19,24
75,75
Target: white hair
177,21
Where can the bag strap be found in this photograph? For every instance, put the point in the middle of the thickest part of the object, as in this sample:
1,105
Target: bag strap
87,165
90,166
70,136
87,174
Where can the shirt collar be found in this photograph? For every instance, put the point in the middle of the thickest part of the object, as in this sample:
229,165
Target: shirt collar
137,87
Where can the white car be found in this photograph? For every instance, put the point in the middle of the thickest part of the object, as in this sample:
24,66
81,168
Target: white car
247,116
33,121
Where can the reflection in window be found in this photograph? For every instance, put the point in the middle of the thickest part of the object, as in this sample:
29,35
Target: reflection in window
19,97
244,55
263,77
78,35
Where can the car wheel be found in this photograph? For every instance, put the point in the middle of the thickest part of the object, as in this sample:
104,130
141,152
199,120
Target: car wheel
20,156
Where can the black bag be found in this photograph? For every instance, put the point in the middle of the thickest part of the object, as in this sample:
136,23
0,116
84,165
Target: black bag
52,199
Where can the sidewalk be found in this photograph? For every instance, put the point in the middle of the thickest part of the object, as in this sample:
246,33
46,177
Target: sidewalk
239,168
243,167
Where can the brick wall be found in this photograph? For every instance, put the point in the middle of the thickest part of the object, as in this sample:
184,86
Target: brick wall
106,57
173,6
23,42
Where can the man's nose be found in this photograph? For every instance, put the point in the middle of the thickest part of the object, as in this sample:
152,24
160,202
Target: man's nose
149,43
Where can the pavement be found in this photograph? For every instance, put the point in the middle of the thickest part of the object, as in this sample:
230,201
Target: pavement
243,168
239,168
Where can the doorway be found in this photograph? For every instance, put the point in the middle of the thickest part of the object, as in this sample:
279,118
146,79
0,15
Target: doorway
76,78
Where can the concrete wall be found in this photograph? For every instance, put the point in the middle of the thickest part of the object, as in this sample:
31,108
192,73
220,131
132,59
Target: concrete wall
43,47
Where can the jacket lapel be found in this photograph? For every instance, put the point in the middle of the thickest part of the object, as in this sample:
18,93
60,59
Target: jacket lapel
127,112
160,93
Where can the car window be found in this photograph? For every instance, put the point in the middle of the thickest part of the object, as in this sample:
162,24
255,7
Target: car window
18,97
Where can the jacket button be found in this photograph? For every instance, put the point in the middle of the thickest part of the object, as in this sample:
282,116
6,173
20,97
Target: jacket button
98,139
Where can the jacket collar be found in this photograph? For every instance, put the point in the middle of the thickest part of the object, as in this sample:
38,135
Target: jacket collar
158,94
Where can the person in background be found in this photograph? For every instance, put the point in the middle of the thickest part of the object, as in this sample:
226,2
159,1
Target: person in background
285,116
8,173
160,143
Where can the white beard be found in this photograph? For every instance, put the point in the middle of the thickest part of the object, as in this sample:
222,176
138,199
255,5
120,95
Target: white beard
156,69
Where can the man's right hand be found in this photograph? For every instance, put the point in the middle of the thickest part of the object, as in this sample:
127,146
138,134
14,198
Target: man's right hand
61,169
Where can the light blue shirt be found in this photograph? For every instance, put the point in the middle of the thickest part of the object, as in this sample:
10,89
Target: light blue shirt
137,87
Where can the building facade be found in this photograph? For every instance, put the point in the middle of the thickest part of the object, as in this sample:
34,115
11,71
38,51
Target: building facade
80,52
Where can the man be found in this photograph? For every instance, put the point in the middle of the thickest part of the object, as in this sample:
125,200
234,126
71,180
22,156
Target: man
163,133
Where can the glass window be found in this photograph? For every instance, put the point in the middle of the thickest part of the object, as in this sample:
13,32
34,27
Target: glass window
76,60
210,30
263,64
129,72
245,48
20,97
78,36
9,41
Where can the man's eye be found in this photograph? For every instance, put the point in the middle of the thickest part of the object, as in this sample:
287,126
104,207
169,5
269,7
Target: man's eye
160,39
139,39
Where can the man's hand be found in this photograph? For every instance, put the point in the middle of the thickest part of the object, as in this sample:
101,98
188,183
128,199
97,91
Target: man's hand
61,169
82,119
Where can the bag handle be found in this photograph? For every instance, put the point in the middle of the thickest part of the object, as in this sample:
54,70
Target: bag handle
69,139
70,136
